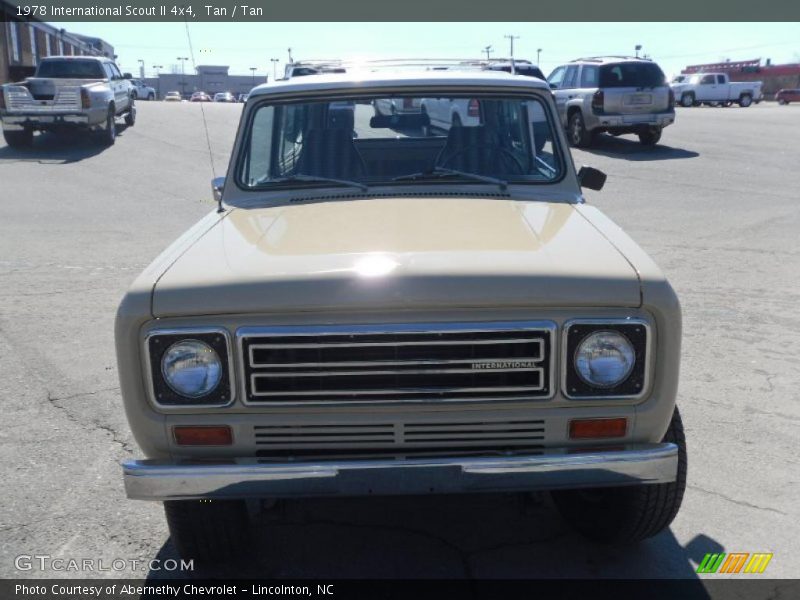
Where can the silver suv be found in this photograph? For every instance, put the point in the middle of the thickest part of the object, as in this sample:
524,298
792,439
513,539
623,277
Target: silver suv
615,94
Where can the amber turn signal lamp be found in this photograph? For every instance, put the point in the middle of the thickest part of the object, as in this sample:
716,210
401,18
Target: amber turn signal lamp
203,435
587,429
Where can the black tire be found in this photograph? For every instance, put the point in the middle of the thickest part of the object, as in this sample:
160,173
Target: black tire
209,530
19,139
687,100
745,100
650,137
627,515
782,102
108,134
135,94
130,116
151,96
578,135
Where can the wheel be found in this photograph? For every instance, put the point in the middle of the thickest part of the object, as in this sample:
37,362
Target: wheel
109,132
726,104
130,116
782,102
134,94
628,515
578,136
151,96
209,530
650,137
19,139
745,100
687,100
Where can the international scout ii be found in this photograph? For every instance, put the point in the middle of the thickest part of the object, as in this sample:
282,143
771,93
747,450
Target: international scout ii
376,311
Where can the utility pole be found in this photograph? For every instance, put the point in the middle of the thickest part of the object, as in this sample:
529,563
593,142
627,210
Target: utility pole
141,69
274,62
158,79
488,50
538,53
289,50
183,60
253,76
638,48
511,39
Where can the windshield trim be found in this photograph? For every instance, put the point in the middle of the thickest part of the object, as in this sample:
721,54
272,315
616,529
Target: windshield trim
483,91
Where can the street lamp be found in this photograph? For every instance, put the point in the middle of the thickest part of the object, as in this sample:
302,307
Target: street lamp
158,79
488,50
274,62
638,47
538,53
141,69
511,39
183,60
253,78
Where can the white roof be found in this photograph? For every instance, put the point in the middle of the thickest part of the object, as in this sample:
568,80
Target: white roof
382,78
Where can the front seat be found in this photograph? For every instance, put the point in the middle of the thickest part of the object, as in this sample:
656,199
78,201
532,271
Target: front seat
331,153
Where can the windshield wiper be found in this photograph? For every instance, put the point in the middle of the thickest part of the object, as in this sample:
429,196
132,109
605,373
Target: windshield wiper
314,178
438,172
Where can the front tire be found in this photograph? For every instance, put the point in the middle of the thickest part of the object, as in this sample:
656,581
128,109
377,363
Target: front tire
687,100
19,139
782,102
627,515
209,530
578,135
650,137
745,100
151,96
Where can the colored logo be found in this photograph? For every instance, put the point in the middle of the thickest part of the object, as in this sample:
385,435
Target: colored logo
736,562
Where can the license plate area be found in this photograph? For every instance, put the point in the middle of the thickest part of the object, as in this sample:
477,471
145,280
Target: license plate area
638,99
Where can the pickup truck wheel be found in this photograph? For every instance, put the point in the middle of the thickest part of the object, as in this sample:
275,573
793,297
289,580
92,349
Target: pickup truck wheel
151,96
209,530
650,137
19,139
109,132
745,100
627,515
578,136
782,102
687,100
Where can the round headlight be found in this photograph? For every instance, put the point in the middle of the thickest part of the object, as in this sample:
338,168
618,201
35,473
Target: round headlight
604,359
191,368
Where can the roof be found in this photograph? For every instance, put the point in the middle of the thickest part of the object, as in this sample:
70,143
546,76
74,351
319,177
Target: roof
69,57
611,59
355,80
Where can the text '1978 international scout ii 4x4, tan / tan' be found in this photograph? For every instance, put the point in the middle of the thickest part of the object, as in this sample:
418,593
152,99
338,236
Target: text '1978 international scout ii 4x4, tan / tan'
380,306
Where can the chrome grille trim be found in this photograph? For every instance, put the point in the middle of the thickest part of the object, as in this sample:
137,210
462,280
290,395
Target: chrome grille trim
287,376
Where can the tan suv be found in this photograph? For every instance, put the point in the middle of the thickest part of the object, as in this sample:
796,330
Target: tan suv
377,311
613,94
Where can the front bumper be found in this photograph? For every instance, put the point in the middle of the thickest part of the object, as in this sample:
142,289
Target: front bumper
250,478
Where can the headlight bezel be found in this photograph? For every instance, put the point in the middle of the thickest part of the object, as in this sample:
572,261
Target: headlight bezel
635,385
163,396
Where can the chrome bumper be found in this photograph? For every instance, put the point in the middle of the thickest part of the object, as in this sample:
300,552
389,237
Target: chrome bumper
20,121
249,478
634,120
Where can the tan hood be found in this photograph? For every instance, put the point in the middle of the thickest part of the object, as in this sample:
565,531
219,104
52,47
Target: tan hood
395,254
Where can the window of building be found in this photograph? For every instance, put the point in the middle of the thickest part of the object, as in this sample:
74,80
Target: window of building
32,33
48,47
14,35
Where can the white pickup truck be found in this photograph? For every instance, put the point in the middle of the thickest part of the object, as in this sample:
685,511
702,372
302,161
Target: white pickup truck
717,89
84,92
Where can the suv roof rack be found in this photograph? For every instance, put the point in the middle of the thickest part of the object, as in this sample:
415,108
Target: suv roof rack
607,56
427,63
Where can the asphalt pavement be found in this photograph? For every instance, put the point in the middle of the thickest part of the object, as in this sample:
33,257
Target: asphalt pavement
716,204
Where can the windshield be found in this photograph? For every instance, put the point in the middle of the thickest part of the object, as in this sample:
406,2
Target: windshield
71,69
631,74
400,140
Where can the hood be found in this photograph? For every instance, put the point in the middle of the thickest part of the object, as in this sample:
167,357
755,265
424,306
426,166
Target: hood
397,254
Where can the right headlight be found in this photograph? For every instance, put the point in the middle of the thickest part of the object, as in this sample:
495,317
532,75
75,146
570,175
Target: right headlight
604,359
191,368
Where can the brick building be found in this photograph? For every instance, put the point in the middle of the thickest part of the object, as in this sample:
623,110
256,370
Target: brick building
24,42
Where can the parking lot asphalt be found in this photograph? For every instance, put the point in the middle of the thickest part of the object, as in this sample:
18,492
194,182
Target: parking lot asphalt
716,204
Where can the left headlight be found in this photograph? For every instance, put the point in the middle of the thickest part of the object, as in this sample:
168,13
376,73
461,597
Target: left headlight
190,367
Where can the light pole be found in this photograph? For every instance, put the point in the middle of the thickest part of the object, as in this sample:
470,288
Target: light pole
289,50
158,79
141,69
488,50
638,47
274,62
511,39
253,78
183,60
538,53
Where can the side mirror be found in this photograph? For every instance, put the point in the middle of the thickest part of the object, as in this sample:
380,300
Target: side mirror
127,76
217,185
591,178
553,86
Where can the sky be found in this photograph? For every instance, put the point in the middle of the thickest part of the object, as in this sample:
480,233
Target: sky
246,45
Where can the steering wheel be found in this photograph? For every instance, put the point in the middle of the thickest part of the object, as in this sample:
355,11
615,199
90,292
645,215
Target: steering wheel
502,150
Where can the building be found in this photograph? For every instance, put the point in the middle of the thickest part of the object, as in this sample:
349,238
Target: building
774,77
24,42
208,78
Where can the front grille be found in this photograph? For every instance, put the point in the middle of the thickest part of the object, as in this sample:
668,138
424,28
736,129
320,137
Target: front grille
455,438
398,363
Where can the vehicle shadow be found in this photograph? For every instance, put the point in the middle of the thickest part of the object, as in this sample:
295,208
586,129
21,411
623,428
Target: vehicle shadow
58,148
476,536
631,149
